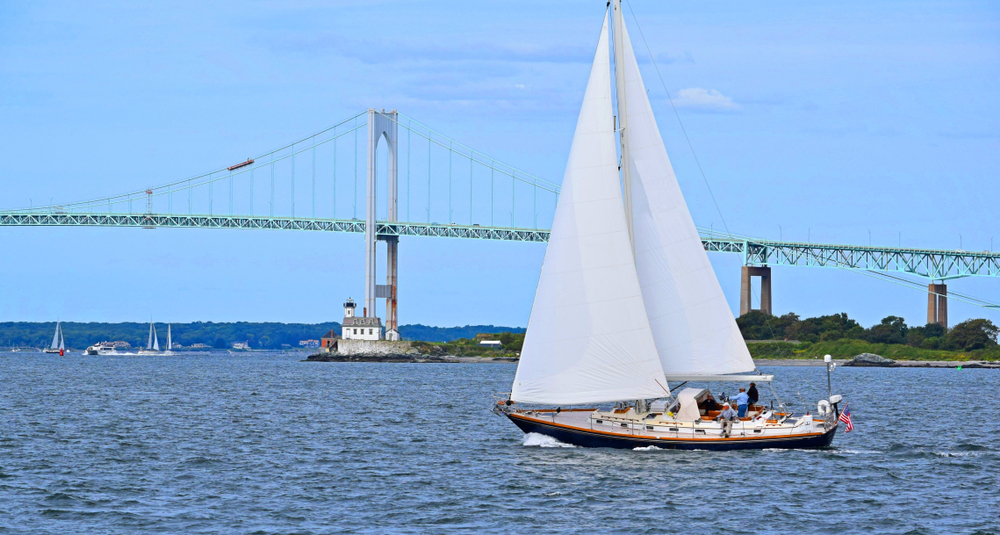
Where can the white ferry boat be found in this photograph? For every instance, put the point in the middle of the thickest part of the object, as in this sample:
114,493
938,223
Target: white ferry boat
105,348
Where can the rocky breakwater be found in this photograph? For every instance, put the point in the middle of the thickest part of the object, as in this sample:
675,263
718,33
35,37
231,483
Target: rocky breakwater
389,351
878,361
369,351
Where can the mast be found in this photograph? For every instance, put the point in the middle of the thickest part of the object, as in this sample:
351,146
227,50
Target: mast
625,165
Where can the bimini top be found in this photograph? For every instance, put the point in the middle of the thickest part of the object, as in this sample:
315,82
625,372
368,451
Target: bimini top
689,398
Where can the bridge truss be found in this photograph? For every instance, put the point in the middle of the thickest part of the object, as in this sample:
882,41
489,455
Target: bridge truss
932,264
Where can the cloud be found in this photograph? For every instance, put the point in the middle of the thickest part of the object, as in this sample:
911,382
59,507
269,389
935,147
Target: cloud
404,51
696,98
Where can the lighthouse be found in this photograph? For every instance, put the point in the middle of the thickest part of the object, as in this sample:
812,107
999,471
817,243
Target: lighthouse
359,328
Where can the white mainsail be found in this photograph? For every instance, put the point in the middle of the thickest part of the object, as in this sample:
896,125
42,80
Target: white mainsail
170,342
692,324
152,342
56,336
588,339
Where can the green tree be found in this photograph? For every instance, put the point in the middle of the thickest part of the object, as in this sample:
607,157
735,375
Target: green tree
974,334
892,330
220,343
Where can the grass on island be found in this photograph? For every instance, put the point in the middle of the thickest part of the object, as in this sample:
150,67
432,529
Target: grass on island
470,347
848,348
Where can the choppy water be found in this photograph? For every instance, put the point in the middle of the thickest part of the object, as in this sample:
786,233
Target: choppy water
268,444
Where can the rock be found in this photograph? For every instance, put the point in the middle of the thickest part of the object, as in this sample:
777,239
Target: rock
870,359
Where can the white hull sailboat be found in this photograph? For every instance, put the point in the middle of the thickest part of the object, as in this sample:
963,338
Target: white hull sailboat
152,343
58,342
627,302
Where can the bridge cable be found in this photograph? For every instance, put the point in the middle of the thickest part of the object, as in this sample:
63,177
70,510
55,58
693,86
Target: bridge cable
982,303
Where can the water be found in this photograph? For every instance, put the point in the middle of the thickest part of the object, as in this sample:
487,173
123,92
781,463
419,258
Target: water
268,444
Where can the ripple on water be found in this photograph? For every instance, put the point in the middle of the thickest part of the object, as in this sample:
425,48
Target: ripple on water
268,444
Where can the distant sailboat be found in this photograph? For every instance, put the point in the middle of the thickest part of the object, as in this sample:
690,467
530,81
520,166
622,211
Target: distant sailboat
152,343
170,342
58,343
628,301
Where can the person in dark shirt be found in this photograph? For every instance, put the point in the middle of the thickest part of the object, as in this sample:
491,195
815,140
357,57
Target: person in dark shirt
752,394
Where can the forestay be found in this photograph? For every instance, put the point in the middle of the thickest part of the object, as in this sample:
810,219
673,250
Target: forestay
588,339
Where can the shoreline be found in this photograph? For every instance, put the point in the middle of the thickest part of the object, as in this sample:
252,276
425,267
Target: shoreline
971,364
404,359
452,359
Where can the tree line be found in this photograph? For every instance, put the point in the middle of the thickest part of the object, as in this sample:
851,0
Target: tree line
969,335
220,335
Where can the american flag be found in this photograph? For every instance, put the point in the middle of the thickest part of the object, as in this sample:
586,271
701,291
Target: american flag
846,418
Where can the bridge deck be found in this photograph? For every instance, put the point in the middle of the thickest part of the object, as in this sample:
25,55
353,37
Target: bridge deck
928,263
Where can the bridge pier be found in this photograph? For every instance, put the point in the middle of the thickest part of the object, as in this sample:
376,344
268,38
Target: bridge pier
764,272
382,124
937,304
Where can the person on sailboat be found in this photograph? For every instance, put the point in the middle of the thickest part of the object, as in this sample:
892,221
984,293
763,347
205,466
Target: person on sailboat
741,402
727,416
753,394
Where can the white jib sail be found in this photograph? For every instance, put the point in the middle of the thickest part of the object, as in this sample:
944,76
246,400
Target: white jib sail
62,339
692,323
156,342
55,337
588,340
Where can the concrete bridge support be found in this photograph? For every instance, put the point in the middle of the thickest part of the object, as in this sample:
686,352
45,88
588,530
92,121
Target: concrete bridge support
764,272
937,304
382,124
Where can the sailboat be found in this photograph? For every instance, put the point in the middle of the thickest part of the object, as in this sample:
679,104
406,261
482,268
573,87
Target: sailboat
170,343
152,343
58,343
627,302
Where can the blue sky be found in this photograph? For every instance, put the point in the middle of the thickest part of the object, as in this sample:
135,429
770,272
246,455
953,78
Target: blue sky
813,121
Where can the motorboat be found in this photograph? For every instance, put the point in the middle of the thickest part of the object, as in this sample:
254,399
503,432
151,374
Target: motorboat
103,348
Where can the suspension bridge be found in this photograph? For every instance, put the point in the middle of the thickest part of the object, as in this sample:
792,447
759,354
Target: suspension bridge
405,179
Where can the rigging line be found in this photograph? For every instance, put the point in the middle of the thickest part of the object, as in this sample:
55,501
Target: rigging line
678,115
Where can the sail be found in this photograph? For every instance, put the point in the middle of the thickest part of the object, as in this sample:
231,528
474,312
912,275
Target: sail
62,340
156,343
588,340
170,342
149,339
692,324
55,337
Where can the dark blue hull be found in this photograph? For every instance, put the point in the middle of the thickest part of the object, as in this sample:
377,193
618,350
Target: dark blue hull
596,439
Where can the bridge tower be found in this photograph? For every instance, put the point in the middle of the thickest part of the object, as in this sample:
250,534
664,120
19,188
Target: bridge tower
382,124
937,304
764,272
